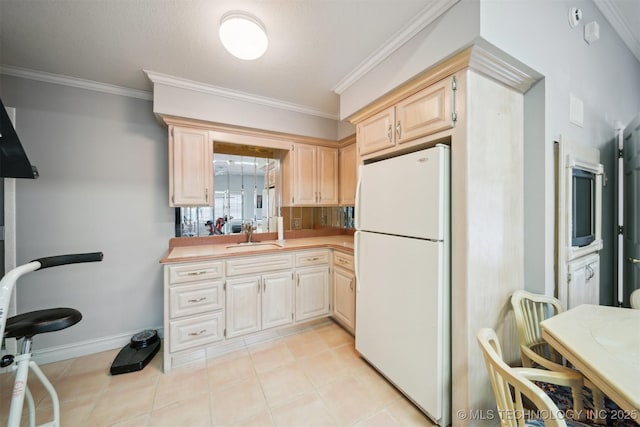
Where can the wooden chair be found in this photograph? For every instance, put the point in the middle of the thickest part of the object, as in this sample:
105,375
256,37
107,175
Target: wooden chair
530,309
511,384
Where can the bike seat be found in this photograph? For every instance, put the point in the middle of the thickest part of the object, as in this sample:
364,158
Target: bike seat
40,321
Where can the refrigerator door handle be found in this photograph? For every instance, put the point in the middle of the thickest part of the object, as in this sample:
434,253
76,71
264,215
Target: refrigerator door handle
356,239
356,219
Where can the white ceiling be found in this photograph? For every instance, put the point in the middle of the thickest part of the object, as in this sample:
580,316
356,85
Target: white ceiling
313,44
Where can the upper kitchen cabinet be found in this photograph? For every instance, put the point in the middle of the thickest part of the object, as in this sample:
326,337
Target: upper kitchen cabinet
190,167
428,111
348,175
310,176
376,133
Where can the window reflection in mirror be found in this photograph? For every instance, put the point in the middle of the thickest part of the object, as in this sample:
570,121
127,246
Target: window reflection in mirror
245,192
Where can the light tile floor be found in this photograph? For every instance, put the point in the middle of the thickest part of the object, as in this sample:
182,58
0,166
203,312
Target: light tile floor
312,378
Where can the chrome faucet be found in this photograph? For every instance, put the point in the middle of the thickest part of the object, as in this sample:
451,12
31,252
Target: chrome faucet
247,229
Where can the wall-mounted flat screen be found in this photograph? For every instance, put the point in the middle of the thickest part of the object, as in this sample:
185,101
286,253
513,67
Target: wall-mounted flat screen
583,208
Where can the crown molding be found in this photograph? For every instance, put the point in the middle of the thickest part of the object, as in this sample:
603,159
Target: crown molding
425,17
620,24
177,82
518,77
59,79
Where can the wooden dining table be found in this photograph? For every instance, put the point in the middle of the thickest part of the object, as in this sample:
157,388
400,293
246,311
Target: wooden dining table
603,343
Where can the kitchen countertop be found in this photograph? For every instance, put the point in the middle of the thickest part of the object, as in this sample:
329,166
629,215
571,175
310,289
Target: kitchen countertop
224,250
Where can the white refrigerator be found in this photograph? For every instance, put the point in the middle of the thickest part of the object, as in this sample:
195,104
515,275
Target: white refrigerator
402,254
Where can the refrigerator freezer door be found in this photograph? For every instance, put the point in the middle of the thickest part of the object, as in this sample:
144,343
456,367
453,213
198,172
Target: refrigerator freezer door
406,195
402,315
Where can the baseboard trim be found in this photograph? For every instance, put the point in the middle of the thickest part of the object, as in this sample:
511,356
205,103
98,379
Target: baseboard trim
84,348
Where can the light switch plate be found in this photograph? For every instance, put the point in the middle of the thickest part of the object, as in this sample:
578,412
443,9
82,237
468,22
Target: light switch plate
576,110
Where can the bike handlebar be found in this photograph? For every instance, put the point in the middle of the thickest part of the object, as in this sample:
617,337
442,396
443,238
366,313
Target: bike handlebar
54,261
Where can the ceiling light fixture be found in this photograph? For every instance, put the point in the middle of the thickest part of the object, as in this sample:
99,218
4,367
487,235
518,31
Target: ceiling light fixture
243,35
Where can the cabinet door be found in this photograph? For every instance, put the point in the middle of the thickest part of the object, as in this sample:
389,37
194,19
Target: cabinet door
304,175
348,175
584,282
277,299
327,176
376,133
424,113
312,293
191,167
344,301
243,305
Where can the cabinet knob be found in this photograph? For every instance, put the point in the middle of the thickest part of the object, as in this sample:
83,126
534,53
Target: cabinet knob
389,135
195,334
398,129
197,299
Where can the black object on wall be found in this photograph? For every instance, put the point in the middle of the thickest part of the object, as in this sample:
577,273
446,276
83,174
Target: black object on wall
14,162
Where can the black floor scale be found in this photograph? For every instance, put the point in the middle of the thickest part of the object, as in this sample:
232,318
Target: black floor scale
137,354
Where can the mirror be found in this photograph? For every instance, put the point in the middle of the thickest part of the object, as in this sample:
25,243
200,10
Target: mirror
247,190
245,179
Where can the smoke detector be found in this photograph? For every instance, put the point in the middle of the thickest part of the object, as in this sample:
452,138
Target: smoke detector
575,16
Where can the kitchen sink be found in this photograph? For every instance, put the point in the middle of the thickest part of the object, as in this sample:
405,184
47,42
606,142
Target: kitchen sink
254,246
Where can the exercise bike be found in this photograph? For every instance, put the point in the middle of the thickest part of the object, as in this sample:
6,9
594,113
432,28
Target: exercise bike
25,326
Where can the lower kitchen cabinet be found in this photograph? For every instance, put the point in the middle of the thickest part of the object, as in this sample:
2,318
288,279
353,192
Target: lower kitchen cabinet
277,299
344,298
344,291
243,306
584,281
255,303
211,307
312,293
194,307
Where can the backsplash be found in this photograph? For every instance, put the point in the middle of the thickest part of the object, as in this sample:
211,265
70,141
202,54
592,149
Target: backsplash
299,218
200,221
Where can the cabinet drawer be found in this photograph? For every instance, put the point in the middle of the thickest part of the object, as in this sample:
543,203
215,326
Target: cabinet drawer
196,331
182,273
304,259
188,299
258,264
343,260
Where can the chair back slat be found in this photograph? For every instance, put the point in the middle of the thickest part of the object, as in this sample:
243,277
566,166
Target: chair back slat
531,309
509,387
